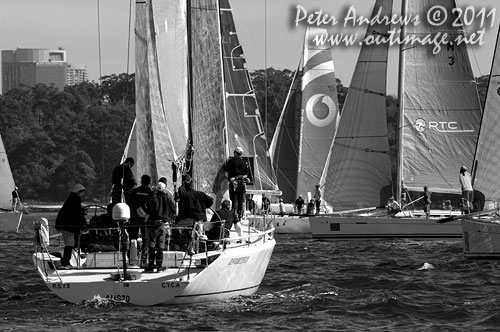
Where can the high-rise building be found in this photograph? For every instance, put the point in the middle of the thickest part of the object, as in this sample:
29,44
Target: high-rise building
77,74
30,66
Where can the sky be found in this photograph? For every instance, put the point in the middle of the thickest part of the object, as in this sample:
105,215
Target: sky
265,29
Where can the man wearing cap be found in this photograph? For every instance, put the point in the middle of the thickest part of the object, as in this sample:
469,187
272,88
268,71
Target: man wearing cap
466,185
164,180
70,221
236,169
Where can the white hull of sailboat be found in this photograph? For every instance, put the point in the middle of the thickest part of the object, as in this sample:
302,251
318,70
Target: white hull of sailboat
481,238
289,224
10,221
373,227
238,270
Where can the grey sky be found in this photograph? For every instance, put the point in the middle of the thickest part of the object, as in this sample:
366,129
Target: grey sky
264,28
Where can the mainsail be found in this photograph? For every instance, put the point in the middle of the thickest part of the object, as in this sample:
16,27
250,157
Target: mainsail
6,179
487,158
359,171
308,123
243,121
207,95
439,105
193,88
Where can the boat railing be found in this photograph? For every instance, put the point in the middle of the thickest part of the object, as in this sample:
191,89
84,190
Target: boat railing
188,240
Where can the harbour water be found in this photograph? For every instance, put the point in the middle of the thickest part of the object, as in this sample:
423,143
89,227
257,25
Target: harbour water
310,285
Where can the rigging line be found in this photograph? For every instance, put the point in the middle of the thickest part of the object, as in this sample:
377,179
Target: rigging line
126,103
128,42
102,110
265,68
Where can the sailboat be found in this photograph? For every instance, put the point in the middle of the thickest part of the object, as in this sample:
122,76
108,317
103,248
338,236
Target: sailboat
481,230
305,131
192,123
9,220
438,129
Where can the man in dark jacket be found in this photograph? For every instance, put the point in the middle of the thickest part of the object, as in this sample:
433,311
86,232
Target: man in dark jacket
222,221
299,203
236,169
139,198
192,211
123,180
70,221
192,203
161,210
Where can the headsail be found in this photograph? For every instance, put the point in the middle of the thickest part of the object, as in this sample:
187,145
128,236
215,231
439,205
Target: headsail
131,147
286,141
305,134
487,180
6,179
359,172
440,106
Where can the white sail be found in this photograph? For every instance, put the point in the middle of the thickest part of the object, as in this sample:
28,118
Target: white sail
6,179
131,147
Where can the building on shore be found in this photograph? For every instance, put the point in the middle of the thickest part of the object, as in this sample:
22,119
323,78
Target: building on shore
30,66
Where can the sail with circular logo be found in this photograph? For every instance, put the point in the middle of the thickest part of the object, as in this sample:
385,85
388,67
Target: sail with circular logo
308,123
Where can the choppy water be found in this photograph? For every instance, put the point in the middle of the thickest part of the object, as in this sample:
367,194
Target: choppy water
309,285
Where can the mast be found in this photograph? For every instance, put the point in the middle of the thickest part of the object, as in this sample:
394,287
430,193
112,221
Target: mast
401,76
189,148
226,140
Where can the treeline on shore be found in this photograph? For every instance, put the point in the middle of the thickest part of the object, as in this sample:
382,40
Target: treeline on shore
57,138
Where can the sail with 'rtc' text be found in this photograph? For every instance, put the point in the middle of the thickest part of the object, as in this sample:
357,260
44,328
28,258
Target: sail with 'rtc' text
440,109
